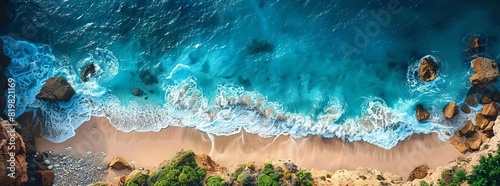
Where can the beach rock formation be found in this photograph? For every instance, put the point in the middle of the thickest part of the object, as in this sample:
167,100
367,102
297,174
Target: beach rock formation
427,69
87,72
460,146
490,109
119,163
422,114
13,166
468,129
474,143
450,110
481,121
56,88
418,173
45,177
485,72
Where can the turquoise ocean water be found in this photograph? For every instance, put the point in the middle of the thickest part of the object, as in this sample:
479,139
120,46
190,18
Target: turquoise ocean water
343,69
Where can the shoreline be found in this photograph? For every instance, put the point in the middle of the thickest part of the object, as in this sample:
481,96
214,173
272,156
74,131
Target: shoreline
149,149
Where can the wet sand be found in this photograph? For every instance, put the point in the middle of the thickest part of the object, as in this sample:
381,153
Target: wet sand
148,149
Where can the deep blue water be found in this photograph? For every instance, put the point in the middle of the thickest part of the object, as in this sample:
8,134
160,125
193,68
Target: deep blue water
333,68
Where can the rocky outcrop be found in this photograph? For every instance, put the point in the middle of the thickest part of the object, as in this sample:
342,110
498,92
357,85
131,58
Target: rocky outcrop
427,69
468,129
87,72
12,156
4,61
490,109
474,142
485,72
418,173
450,110
119,163
481,121
422,114
460,146
208,164
56,88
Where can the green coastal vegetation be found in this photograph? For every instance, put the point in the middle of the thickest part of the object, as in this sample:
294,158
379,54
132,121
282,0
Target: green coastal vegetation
486,173
184,171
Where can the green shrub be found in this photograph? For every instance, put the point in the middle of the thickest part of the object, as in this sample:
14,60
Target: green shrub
244,178
423,183
304,178
215,181
459,176
266,180
268,168
487,172
138,180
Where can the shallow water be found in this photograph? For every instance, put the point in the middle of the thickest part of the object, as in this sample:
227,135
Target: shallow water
333,68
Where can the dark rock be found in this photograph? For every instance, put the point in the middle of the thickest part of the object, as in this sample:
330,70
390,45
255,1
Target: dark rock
485,72
427,69
450,110
476,45
45,177
471,100
496,96
419,172
138,92
490,126
56,88
87,72
422,114
466,109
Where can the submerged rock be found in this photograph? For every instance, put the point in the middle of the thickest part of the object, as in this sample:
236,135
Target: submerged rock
466,109
471,100
89,71
476,45
422,114
119,163
427,69
260,47
138,92
450,110
56,88
418,173
485,72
